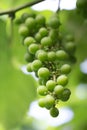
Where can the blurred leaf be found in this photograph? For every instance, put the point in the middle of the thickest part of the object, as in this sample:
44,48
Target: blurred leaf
17,90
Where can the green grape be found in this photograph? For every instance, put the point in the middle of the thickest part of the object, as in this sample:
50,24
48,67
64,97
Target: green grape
43,72
50,84
23,30
65,94
43,32
54,112
41,55
33,48
28,41
40,20
54,23
30,23
42,81
65,69
46,41
70,47
29,57
41,102
24,16
61,55
51,56
58,89
69,38
29,67
42,90
36,64
62,80
53,34
49,101
38,37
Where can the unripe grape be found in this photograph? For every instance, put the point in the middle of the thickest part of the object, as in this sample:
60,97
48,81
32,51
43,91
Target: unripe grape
40,20
46,41
70,47
29,57
54,112
29,68
43,32
28,41
41,55
61,55
23,30
43,73
54,22
69,38
30,23
65,69
42,90
38,37
53,34
65,94
58,89
33,48
51,56
41,102
36,64
50,84
49,101
62,80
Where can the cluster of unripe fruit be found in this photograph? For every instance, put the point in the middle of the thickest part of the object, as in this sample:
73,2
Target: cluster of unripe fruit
82,7
49,55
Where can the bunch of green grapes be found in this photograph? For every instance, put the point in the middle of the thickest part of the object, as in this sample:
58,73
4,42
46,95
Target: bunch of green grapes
82,7
49,55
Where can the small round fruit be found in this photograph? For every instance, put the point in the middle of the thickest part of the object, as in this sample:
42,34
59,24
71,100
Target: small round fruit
42,90
54,112
51,56
41,102
62,80
54,22
23,30
70,47
49,101
41,55
61,55
38,37
43,32
28,57
36,64
58,89
65,94
40,19
43,72
65,69
69,38
46,41
28,41
33,48
30,23
50,84
29,68
53,34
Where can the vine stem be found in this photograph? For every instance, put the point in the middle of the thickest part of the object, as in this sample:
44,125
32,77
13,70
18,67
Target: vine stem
58,6
12,12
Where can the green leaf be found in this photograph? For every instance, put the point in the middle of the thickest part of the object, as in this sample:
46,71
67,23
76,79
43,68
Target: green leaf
17,90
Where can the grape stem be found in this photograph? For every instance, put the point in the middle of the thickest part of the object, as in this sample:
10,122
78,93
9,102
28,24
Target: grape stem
58,6
12,12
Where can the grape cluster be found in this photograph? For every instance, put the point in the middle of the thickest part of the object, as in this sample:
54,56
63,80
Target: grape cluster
82,7
49,55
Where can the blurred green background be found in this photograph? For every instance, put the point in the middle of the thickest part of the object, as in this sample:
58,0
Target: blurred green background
18,90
